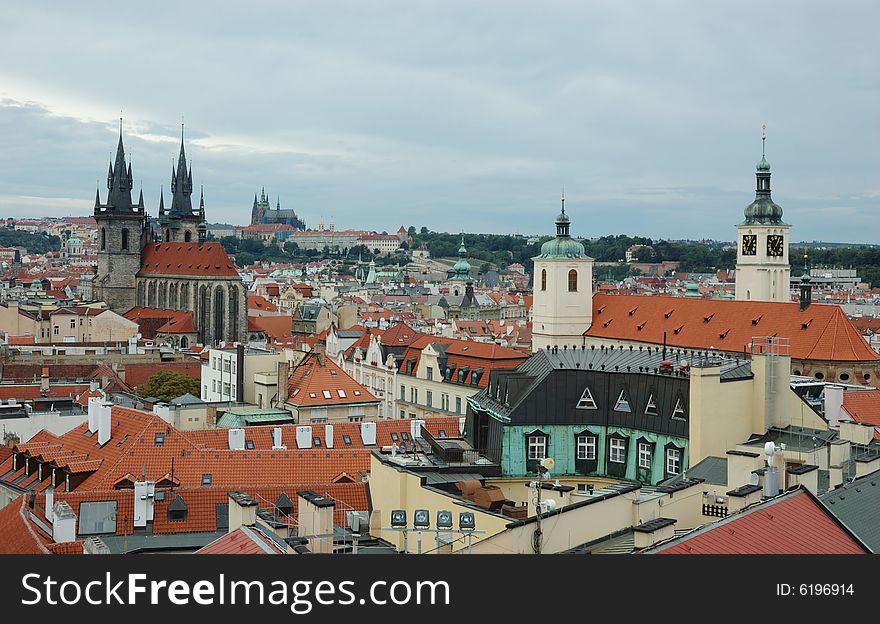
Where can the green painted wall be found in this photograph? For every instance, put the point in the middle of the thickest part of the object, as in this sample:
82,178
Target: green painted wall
562,449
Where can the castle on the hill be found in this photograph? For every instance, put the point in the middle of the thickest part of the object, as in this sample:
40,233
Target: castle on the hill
262,213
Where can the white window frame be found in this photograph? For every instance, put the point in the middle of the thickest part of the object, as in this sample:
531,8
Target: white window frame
586,447
673,456
645,455
537,447
617,449
587,401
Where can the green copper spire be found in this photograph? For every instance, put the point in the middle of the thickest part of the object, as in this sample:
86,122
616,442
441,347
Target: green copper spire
763,210
462,268
563,246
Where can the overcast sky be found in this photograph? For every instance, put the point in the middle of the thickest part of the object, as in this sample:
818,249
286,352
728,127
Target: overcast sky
454,115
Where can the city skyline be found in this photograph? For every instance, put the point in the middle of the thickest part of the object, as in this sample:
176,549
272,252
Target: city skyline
444,117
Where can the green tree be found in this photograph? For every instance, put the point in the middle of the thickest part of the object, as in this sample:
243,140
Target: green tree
168,384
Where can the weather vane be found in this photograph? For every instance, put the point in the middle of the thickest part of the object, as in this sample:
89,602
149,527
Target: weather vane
763,138
563,198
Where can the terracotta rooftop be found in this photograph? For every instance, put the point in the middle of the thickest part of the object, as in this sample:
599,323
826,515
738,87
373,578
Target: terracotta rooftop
821,332
319,382
258,302
243,541
140,373
18,535
863,406
207,259
791,524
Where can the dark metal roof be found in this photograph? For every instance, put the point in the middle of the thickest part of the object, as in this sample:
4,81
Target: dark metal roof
857,506
712,470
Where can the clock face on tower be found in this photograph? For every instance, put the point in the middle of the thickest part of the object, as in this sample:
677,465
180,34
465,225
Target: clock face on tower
750,244
775,245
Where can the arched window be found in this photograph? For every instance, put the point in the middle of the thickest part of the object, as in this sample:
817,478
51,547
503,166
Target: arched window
543,279
572,281
187,237
124,239
184,343
103,239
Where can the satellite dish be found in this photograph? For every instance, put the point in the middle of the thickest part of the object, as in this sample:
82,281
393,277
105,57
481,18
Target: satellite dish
753,480
549,505
769,449
547,463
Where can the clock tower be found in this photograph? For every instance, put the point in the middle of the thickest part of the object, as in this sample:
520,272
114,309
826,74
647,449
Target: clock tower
762,269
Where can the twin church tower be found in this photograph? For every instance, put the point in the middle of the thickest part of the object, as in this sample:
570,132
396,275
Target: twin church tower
562,309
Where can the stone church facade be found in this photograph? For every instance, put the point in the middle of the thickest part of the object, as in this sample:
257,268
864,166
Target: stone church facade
183,272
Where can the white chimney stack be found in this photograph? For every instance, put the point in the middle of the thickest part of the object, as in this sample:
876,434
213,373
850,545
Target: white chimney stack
834,405
276,440
368,433
94,406
304,437
415,428
63,523
236,439
163,412
328,436
104,422
50,501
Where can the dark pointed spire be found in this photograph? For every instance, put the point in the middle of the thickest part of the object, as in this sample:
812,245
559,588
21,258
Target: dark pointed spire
141,198
202,202
255,200
161,200
278,205
119,179
181,183
97,197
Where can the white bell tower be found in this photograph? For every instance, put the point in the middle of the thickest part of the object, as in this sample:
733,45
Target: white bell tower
562,307
762,268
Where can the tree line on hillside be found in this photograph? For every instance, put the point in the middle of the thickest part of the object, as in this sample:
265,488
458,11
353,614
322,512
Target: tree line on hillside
35,243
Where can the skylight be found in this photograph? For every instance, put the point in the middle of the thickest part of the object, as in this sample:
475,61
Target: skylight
327,394
341,394
159,439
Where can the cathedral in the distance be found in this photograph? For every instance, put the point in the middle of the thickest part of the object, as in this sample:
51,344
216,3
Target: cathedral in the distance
262,212
181,272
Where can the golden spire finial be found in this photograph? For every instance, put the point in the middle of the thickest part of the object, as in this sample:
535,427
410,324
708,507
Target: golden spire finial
563,198
763,138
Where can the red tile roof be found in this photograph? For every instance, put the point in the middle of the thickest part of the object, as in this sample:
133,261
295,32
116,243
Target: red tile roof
465,353
207,259
21,340
864,324
242,541
276,328
821,332
18,535
258,302
863,406
319,382
29,392
139,374
181,322
791,524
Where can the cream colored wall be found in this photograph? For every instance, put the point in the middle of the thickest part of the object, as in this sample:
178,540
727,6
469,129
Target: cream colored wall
392,487
190,418
255,364
684,506
719,416
562,531
110,326
335,414
722,415
14,323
